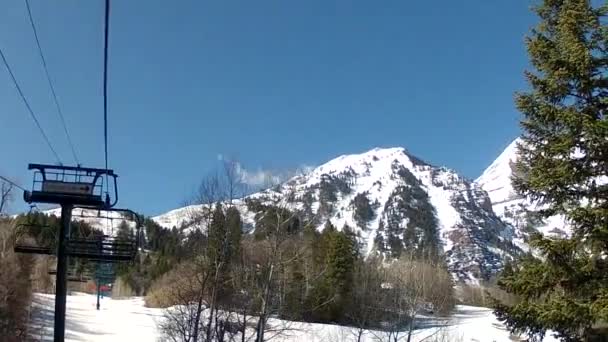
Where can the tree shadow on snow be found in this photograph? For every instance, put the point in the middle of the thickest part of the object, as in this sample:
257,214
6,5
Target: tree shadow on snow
432,322
42,321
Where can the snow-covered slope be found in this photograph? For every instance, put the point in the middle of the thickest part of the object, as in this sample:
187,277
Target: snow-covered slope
118,320
496,179
394,201
105,221
511,207
130,320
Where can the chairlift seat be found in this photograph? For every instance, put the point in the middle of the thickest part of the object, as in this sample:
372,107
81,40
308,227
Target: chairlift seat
54,197
73,277
104,273
33,250
102,249
70,185
78,279
27,244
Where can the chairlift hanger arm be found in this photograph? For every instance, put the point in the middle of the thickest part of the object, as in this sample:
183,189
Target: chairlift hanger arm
90,170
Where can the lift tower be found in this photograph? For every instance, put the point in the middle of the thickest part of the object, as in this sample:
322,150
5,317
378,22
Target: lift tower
68,186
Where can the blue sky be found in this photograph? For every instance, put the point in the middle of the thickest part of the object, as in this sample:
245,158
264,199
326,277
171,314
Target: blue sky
276,84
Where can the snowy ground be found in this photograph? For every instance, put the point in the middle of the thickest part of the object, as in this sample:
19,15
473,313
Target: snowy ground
129,320
118,320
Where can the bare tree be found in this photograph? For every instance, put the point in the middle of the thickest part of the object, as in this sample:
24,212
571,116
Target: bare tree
230,186
237,292
221,186
414,286
185,289
15,286
243,278
366,297
233,181
215,193
6,196
276,232
191,293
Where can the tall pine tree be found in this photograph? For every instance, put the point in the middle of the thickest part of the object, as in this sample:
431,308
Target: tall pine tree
234,226
216,235
563,165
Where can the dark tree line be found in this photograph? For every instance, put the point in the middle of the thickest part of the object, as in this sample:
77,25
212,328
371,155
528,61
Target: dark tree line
234,284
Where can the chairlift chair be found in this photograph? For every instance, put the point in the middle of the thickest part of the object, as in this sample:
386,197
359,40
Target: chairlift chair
104,271
103,248
74,277
104,274
106,248
78,280
73,185
26,242
104,280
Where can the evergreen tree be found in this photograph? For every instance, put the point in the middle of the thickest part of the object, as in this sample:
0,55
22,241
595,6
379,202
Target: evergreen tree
234,227
124,270
363,209
125,232
328,228
563,165
341,259
295,290
323,244
216,234
353,237
335,254
309,233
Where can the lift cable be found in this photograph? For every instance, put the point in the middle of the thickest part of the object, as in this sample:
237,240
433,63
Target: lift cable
11,182
48,77
27,105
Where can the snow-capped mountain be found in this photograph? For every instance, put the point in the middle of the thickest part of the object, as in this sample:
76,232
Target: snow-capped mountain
394,201
511,207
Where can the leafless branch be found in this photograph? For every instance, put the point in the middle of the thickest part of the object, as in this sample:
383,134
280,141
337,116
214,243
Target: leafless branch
6,196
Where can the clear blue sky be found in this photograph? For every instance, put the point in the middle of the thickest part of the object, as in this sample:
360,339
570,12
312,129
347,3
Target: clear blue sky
277,84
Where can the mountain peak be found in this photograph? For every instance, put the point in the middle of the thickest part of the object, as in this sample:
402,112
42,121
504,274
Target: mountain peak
369,159
395,203
496,179
509,205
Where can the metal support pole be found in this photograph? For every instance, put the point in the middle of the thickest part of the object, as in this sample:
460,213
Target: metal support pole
98,294
61,281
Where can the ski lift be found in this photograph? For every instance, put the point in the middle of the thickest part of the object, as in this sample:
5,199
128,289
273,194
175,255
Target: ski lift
33,238
72,185
107,247
104,279
27,241
78,279
74,276
77,271
103,248
104,270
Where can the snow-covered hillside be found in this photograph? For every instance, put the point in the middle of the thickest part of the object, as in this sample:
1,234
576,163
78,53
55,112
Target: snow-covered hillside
511,207
118,320
105,221
394,201
129,320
